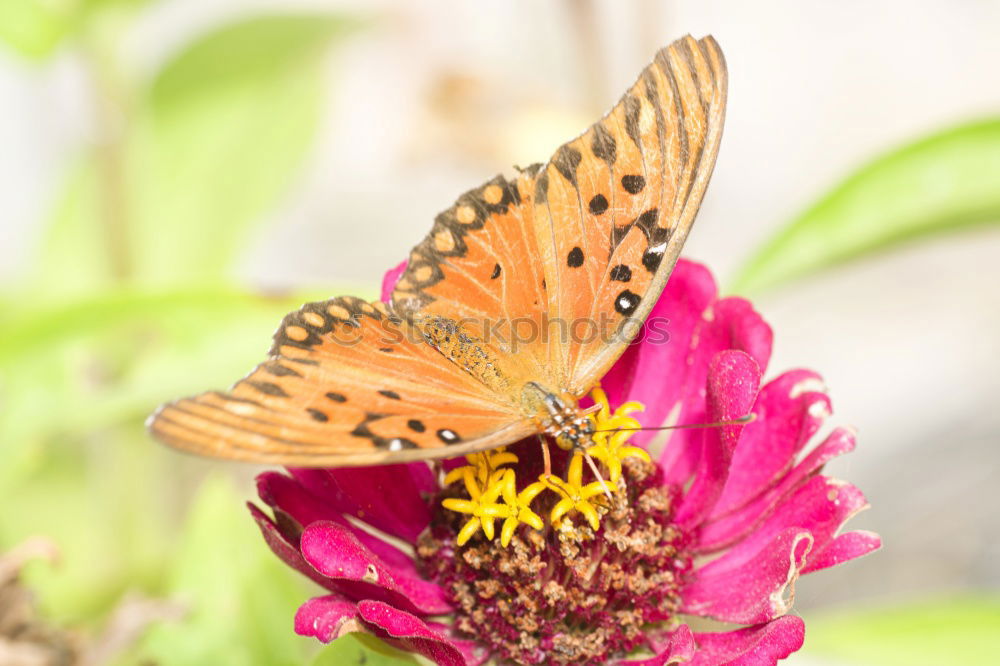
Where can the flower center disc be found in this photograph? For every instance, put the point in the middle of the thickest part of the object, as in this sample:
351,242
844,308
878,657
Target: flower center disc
566,594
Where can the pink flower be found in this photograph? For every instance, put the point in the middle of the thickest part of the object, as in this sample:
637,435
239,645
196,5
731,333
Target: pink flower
720,527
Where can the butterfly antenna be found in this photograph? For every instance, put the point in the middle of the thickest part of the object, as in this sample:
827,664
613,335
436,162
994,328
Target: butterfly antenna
743,420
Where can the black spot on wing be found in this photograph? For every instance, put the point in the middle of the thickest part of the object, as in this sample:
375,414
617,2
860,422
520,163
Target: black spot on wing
633,184
278,370
318,415
575,258
652,257
621,273
542,189
632,109
268,388
566,161
598,204
603,144
626,303
448,436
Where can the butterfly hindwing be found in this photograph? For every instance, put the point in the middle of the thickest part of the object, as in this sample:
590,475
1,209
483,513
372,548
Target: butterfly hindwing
346,383
478,265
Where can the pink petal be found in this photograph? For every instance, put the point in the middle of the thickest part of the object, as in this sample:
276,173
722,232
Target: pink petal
389,497
288,553
733,381
285,494
721,532
787,415
753,590
762,645
732,323
820,506
474,653
328,618
678,648
845,547
409,632
390,279
337,553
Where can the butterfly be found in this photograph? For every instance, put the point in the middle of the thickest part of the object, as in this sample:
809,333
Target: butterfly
482,342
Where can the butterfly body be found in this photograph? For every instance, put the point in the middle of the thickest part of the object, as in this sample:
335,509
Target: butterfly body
559,417
522,296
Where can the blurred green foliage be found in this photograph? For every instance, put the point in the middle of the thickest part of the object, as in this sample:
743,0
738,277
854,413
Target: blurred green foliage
241,598
938,184
37,28
133,302
203,149
933,631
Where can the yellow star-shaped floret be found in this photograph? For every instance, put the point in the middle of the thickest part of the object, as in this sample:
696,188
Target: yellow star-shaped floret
516,508
480,498
609,440
486,465
576,495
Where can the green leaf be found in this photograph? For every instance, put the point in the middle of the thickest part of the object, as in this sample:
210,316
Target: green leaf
361,649
937,631
241,598
202,157
36,28
943,182
31,27
243,53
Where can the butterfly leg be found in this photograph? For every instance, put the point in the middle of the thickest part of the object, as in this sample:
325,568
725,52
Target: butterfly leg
545,456
597,473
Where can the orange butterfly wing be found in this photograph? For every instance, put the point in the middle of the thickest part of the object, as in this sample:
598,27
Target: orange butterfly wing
614,206
346,384
574,248
596,230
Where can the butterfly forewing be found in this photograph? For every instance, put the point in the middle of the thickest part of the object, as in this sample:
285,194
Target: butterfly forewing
615,205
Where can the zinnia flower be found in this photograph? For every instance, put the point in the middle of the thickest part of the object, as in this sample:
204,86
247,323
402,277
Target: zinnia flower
719,525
